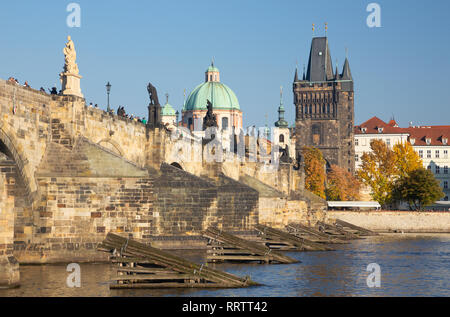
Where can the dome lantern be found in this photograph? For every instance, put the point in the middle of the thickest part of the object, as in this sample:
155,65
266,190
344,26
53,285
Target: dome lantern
212,74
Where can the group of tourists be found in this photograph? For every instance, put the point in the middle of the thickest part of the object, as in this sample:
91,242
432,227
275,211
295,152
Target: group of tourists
122,113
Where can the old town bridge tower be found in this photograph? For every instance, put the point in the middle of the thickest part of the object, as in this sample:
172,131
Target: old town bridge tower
324,104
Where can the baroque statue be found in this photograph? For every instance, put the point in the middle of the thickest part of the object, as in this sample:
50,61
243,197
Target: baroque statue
210,119
70,56
154,109
153,94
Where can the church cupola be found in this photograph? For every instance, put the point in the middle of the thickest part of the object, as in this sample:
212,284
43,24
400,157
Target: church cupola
212,74
281,123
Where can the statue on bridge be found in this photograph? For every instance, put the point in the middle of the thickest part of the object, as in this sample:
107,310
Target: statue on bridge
210,119
70,56
70,77
154,109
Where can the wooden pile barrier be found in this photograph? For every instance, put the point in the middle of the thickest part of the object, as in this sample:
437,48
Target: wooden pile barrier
277,238
359,230
312,234
224,247
142,266
336,231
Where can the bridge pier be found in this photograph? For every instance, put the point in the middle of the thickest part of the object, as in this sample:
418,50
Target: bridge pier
9,267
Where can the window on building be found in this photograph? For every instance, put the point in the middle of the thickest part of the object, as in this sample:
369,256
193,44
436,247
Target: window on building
281,138
225,123
388,142
428,141
190,123
437,154
428,154
429,167
446,185
438,170
356,142
445,154
445,169
421,153
356,158
413,141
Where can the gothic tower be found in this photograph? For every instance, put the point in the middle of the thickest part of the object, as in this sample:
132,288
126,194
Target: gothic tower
324,104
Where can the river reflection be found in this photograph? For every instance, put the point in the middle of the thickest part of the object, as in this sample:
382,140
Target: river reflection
411,265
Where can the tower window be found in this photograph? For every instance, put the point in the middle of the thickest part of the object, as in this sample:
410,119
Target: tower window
281,138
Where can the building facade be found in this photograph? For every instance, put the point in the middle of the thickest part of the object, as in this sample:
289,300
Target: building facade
376,128
430,142
324,104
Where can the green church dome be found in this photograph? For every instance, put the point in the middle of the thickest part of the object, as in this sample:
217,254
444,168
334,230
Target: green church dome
167,110
220,95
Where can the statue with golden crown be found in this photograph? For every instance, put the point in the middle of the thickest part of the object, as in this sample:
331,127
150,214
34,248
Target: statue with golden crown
70,77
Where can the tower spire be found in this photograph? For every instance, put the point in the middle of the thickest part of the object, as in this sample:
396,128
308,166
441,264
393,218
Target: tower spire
281,123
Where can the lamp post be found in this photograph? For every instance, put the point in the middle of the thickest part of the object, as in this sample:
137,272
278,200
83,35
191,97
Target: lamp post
108,90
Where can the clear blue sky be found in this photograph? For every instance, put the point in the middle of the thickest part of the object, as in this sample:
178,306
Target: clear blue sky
400,69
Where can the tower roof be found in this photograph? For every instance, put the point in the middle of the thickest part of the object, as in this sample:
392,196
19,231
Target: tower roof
346,73
320,67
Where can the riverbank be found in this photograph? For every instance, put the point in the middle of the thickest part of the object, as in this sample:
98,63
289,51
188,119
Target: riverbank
396,221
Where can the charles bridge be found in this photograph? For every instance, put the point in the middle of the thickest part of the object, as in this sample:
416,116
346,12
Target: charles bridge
70,173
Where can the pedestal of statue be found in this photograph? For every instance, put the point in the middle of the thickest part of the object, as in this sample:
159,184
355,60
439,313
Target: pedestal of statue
71,84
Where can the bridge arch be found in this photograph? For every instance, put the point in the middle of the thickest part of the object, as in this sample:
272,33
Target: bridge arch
8,146
177,165
112,145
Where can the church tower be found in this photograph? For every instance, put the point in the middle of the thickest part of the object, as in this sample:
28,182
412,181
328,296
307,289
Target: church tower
324,104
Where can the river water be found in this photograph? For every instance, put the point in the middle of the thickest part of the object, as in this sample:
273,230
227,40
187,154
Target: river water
411,265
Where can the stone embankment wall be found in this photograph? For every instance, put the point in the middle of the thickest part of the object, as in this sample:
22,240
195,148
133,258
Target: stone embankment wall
396,221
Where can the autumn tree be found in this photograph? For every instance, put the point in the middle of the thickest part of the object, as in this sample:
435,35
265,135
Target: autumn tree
378,171
342,185
406,159
419,189
315,174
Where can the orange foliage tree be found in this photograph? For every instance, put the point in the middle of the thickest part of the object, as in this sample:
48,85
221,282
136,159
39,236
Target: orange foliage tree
342,185
315,174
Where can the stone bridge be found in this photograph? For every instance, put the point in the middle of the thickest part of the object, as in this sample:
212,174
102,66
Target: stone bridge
69,174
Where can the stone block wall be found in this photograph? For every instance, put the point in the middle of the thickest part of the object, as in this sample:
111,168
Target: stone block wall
396,221
185,204
76,213
9,267
237,205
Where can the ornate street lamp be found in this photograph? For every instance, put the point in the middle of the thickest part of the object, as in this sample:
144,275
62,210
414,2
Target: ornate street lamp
108,90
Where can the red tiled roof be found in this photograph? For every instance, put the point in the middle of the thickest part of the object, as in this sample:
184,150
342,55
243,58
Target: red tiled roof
436,134
372,126
419,134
